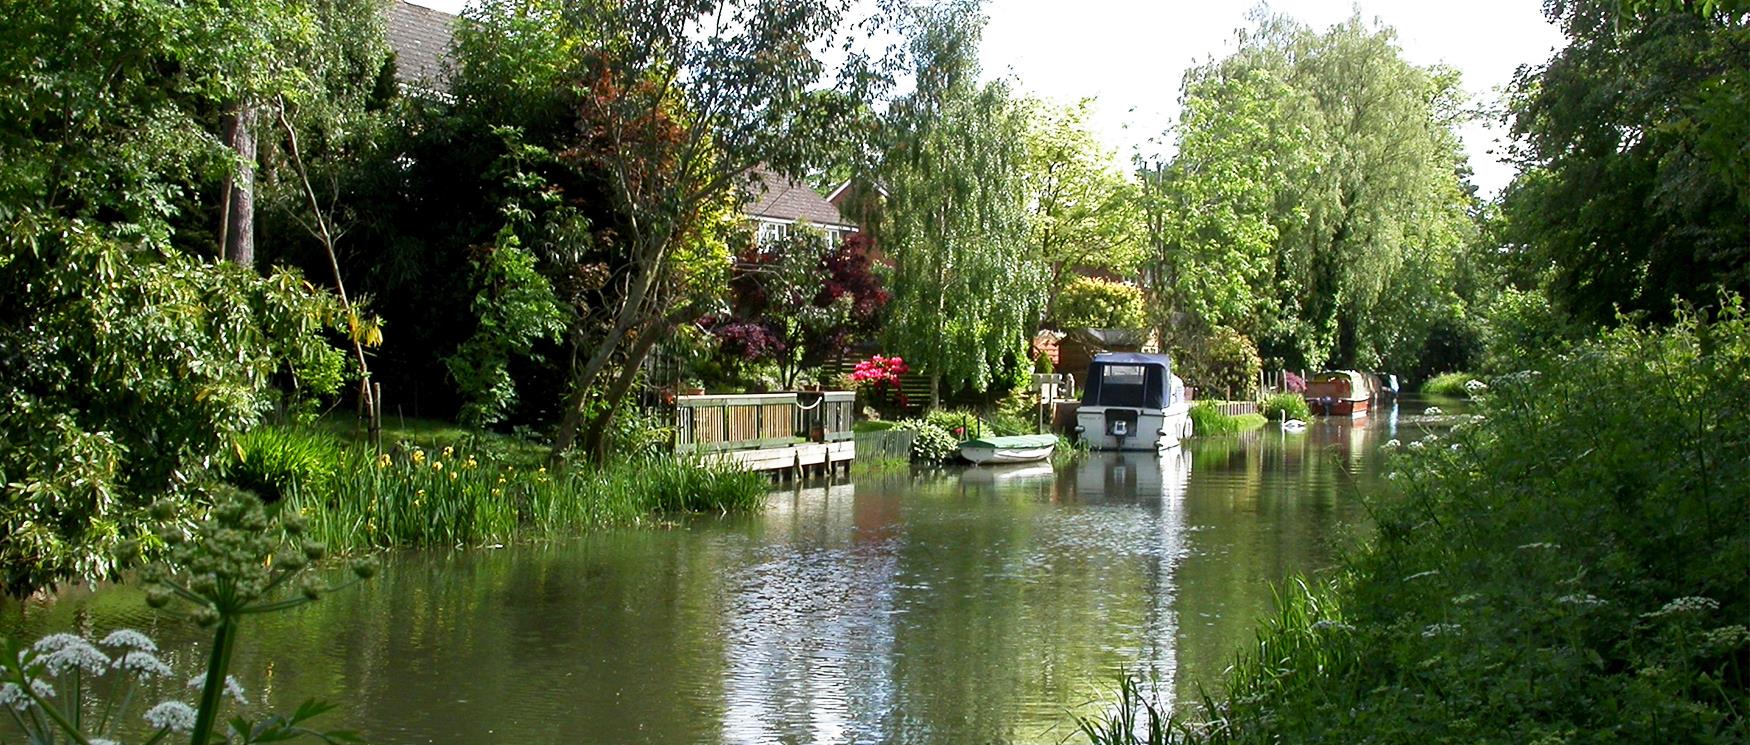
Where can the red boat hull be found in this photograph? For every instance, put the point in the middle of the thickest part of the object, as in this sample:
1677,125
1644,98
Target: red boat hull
1338,406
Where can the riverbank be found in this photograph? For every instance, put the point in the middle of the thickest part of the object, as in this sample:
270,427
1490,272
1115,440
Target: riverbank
1208,419
1567,565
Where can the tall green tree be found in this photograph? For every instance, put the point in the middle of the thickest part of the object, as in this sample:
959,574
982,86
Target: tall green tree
968,283
1084,209
1635,186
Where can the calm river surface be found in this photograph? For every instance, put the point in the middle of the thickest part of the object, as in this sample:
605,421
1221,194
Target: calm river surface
953,606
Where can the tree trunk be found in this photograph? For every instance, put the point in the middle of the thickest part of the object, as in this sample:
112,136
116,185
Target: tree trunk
237,234
574,401
596,435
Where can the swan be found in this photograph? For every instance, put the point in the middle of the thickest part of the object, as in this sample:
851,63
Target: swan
1293,425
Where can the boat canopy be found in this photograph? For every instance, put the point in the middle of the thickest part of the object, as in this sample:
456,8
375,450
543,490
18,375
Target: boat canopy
1129,379
1342,384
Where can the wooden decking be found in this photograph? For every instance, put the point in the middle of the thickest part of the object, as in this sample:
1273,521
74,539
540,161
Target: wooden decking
796,460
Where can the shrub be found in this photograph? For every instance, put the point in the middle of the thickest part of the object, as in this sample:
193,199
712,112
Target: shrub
962,423
1224,360
1285,406
1087,302
932,444
1450,384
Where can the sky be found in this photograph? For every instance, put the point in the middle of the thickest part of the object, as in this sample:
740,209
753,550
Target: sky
1131,55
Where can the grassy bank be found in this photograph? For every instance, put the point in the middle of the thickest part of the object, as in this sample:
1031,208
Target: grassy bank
1207,419
1570,566
1448,384
414,496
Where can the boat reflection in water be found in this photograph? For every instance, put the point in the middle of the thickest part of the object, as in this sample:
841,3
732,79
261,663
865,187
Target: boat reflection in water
1009,475
1129,476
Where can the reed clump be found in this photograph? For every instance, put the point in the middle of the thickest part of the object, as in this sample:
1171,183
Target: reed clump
415,496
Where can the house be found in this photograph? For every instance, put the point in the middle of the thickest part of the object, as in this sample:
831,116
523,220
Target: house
777,204
422,39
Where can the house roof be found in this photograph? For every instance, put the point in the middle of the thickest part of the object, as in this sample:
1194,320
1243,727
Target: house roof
775,197
421,38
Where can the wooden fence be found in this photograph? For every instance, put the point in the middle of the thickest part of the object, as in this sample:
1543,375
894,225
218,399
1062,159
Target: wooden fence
887,444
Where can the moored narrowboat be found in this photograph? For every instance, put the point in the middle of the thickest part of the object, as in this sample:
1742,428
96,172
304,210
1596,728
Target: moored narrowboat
1338,393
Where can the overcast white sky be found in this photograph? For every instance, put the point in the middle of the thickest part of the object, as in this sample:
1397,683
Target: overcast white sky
1132,54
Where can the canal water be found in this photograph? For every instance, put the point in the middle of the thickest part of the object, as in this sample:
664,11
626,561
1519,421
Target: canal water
972,605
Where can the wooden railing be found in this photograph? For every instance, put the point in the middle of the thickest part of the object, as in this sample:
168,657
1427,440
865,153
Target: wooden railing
827,415
761,420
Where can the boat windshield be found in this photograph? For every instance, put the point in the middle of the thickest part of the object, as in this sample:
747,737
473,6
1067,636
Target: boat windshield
1139,385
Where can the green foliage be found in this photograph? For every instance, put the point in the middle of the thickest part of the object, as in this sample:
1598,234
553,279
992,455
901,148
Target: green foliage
964,423
275,461
1579,541
932,444
1522,327
1084,210
1221,363
1280,406
1448,384
1091,302
1207,419
1301,213
126,372
966,290
236,563
1068,451
640,434
516,308
1636,187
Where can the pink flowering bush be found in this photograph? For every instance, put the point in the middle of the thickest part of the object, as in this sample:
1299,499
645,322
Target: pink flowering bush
880,373
1293,383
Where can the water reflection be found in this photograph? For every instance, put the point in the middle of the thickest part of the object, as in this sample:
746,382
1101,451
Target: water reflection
961,605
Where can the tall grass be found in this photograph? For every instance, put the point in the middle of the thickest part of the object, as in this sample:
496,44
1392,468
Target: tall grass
1135,719
450,498
1282,406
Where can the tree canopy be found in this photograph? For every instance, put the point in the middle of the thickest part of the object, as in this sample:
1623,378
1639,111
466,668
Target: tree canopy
1635,184
1317,198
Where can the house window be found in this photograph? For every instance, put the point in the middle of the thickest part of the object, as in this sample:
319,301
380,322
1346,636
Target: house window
770,233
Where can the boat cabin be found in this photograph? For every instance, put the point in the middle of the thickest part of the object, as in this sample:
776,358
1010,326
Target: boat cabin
1131,379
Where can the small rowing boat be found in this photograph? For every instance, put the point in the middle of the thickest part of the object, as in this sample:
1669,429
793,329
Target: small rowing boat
1009,449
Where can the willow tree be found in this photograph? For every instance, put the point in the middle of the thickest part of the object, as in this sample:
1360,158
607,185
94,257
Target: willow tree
1338,156
968,285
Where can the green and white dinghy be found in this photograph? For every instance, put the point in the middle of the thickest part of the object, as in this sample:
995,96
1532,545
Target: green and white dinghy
1009,449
